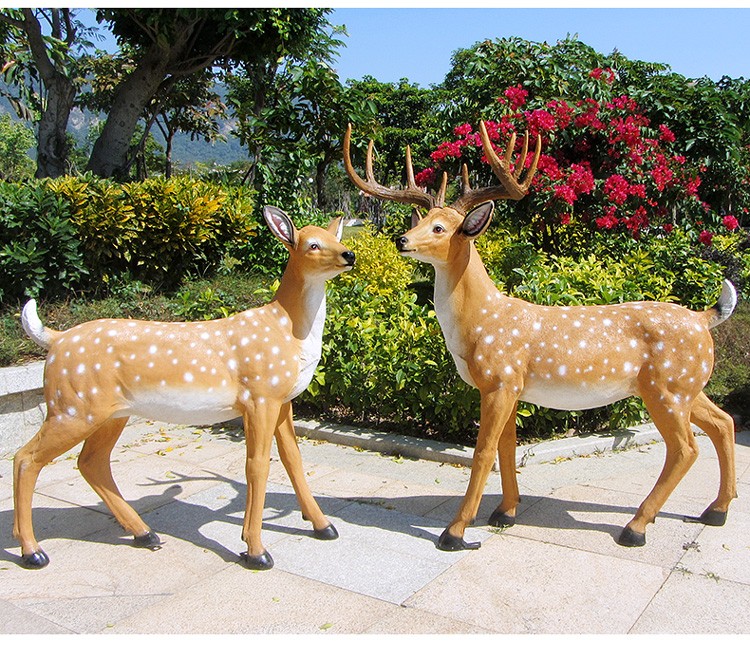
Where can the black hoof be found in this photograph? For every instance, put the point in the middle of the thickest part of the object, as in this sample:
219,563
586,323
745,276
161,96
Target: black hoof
501,519
709,517
630,538
261,562
35,561
326,534
150,541
449,543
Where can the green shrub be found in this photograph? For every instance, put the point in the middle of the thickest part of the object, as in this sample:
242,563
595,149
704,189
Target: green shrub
384,355
39,251
158,230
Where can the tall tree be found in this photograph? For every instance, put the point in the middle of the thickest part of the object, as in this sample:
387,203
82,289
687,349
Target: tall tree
38,44
176,43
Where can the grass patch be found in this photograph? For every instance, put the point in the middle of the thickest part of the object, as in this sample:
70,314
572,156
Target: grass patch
194,300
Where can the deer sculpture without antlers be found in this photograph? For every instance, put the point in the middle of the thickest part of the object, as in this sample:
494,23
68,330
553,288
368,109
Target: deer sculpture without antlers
565,358
249,365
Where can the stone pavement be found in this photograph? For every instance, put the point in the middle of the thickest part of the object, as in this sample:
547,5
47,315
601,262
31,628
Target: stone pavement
558,570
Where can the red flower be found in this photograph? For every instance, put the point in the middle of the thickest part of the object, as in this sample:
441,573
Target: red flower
565,193
666,134
461,131
638,221
548,166
517,96
668,227
581,179
562,111
730,222
597,73
607,222
706,237
616,188
539,121
425,177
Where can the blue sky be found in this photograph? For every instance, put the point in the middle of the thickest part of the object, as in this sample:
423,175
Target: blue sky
417,43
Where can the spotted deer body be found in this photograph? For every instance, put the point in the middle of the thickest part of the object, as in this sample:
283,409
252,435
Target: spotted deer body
250,365
565,358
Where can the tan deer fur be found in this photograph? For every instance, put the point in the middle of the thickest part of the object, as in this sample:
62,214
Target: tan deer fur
566,358
250,365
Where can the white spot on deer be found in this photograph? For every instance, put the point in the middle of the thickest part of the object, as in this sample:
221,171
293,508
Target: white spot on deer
152,349
232,364
489,339
562,370
81,368
188,376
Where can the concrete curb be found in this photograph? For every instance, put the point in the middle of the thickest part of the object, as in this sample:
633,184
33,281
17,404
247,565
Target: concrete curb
422,449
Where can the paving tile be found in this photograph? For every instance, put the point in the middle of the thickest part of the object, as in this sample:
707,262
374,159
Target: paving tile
381,553
239,601
722,552
514,585
404,621
17,620
691,603
590,518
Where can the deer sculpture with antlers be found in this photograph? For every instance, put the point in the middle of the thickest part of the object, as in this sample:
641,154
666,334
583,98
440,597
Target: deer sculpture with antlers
250,365
565,358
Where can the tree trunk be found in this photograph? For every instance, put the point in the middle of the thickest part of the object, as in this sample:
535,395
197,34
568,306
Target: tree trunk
52,147
109,157
168,155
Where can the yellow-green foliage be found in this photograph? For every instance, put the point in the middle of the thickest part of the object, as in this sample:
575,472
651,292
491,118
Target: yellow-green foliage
157,229
378,264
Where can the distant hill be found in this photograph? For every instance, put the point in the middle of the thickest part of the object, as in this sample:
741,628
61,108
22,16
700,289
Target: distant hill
185,152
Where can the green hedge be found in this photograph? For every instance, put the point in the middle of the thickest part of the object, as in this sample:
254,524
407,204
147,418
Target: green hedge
83,232
384,357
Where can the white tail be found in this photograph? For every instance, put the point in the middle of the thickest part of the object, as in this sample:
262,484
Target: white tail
34,327
250,365
569,358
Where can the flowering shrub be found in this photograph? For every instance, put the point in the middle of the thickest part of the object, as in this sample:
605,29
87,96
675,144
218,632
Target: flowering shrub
605,167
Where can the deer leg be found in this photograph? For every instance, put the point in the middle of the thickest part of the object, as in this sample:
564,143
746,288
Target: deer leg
505,514
495,408
57,434
259,431
673,423
719,427
94,463
291,458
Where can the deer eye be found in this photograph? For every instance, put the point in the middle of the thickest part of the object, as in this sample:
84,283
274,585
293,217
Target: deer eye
438,229
314,246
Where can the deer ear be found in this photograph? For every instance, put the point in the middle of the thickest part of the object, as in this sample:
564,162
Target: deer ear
336,227
281,225
416,216
477,221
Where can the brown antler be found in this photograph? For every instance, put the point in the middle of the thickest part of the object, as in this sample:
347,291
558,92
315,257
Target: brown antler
412,194
501,167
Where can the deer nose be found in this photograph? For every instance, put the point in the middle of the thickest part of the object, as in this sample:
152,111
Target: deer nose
349,257
401,243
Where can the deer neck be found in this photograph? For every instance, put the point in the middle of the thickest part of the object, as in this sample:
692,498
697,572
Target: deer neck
462,289
303,298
